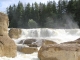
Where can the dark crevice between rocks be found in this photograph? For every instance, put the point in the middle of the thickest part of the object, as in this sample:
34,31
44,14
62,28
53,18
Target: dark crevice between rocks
1,42
1,35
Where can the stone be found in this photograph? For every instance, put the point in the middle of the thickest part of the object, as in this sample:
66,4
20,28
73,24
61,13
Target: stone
27,41
15,33
47,42
31,42
77,41
59,52
8,47
36,42
32,45
4,23
69,42
26,50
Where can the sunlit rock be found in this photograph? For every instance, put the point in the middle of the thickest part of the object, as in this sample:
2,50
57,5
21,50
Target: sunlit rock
59,52
69,42
7,47
47,42
77,41
15,33
26,49
4,23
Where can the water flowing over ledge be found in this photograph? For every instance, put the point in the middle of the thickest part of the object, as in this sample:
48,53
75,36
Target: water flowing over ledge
57,35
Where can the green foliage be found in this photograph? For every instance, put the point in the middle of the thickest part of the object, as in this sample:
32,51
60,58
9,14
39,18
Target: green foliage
20,14
49,23
32,24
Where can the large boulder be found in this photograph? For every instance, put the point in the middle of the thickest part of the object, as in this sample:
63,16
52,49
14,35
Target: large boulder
36,42
25,49
27,41
15,33
59,52
7,47
77,41
47,42
33,45
4,23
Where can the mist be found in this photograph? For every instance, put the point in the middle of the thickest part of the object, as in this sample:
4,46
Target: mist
66,22
70,23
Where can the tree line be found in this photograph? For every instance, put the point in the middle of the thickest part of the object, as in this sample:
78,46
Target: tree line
40,15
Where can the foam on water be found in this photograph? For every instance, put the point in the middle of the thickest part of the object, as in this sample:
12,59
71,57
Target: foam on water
57,35
21,56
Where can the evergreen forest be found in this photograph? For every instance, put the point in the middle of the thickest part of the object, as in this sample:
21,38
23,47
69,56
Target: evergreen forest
64,14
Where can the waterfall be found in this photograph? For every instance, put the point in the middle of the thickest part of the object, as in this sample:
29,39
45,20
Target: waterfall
57,35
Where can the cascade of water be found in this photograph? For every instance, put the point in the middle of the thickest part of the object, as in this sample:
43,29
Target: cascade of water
57,35
32,33
45,33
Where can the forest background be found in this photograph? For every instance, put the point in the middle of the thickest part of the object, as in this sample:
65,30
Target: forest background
64,14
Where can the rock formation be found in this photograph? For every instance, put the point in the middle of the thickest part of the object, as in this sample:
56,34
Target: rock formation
4,23
29,42
15,33
26,49
48,42
35,42
7,45
59,52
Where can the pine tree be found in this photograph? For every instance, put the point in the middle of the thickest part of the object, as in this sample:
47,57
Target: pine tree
36,15
27,14
77,14
19,14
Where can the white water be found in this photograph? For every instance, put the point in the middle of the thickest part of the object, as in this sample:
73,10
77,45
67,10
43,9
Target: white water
57,35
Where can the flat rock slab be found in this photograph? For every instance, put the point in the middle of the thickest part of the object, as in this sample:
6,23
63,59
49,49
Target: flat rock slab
26,50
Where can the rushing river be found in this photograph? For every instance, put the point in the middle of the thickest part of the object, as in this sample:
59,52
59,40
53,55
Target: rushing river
57,35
